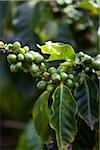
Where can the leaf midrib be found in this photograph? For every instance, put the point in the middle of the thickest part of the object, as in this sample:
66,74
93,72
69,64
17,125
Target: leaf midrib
60,106
88,102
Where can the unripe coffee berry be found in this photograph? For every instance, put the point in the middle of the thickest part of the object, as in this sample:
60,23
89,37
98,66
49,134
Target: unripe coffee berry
11,58
96,64
41,85
13,68
80,54
87,69
16,45
50,87
69,83
52,70
18,65
63,75
20,57
88,58
9,46
61,69
34,68
28,57
56,77
97,57
39,59
43,67
26,49
20,51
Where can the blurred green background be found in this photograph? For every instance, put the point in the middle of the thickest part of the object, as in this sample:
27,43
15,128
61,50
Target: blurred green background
36,21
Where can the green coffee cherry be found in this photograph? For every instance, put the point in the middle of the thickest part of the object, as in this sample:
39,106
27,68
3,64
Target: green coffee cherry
10,46
71,76
43,67
87,69
96,64
34,54
80,54
69,83
26,49
88,58
20,57
11,58
50,87
63,75
56,77
18,65
52,70
13,68
25,70
61,69
34,68
39,59
97,57
16,45
41,85
20,51
28,57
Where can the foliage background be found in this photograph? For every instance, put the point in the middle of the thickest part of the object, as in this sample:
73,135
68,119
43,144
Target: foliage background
31,22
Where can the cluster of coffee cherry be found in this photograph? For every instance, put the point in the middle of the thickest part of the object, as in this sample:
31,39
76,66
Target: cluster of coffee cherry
22,58
25,59
53,76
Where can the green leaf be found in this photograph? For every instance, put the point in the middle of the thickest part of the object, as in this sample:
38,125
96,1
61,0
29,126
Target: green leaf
84,139
58,51
40,116
29,139
63,119
87,96
89,5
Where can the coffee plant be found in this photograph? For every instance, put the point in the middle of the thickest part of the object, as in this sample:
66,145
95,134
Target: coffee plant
69,93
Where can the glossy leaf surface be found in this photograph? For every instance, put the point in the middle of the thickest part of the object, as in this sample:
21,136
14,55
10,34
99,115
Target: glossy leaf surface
58,51
87,96
89,5
40,116
63,119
